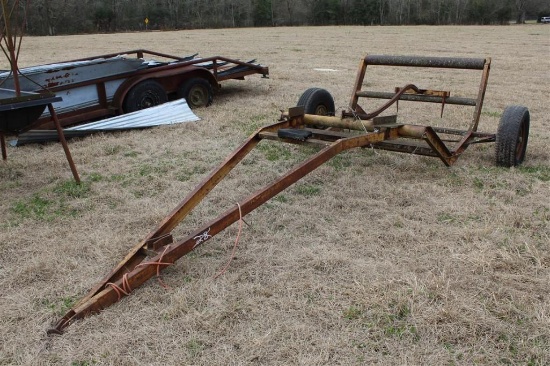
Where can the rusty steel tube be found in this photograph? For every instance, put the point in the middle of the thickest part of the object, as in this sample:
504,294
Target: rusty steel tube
423,61
412,131
336,122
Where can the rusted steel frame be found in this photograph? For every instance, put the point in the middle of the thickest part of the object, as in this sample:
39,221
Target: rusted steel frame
398,95
159,71
69,118
63,142
140,274
137,254
481,94
434,62
463,143
348,122
240,75
482,139
138,52
471,137
426,61
477,137
309,141
427,134
337,122
353,104
419,98
257,68
405,147
215,68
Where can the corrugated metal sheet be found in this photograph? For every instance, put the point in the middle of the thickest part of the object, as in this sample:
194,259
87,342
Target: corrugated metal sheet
165,114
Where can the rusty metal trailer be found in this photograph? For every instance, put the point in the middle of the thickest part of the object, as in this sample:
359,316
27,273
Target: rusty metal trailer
310,123
113,84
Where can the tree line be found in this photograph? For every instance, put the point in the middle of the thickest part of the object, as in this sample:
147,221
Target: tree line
52,17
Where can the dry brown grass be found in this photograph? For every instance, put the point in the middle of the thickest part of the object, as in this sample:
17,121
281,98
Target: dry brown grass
377,257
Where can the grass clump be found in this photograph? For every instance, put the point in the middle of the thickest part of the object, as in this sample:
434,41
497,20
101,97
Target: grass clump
194,347
352,313
34,207
274,152
59,306
72,189
308,190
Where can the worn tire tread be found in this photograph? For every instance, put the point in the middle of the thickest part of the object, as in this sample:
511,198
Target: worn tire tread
507,135
312,97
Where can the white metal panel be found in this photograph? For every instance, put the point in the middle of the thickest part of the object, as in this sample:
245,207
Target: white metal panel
165,114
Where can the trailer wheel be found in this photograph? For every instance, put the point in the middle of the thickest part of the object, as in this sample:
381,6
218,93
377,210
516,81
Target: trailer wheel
146,94
512,135
317,101
197,92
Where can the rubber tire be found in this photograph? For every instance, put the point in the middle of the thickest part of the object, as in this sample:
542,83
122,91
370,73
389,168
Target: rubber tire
512,135
317,101
197,92
145,94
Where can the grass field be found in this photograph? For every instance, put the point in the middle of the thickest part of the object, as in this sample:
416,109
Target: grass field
375,258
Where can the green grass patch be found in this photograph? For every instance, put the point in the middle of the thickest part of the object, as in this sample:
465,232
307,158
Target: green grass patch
446,218
308,190
187,173
59,306
148,169
492,114
46,207
83,363
72,189
95,177
131,154
352,313
541,173
253,124
34,207
194,347
281,198
112,149
274,152
340,162
478,183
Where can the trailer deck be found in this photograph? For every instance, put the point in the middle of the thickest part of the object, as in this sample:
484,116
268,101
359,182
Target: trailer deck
112,84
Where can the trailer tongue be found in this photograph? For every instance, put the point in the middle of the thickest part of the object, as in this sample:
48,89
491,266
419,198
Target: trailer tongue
331,134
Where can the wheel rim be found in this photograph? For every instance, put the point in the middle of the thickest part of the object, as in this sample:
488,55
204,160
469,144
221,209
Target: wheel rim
198,96
520,143
149,100
321,110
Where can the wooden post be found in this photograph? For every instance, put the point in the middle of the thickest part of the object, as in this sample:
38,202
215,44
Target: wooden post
63,142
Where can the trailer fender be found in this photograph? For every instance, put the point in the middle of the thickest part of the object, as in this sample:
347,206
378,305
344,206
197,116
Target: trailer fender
170,80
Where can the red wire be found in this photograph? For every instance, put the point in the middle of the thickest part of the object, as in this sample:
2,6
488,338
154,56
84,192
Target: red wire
234,246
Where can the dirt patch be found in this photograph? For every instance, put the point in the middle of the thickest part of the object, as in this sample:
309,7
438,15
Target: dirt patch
376,257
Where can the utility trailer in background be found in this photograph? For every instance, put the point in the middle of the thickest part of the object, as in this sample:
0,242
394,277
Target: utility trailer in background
107,85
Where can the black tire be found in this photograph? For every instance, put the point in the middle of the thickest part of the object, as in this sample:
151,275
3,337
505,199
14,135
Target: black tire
317,101
197,92
512,135
143,95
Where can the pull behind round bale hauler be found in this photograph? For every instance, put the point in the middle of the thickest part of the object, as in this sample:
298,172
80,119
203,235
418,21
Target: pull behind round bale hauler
331,135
